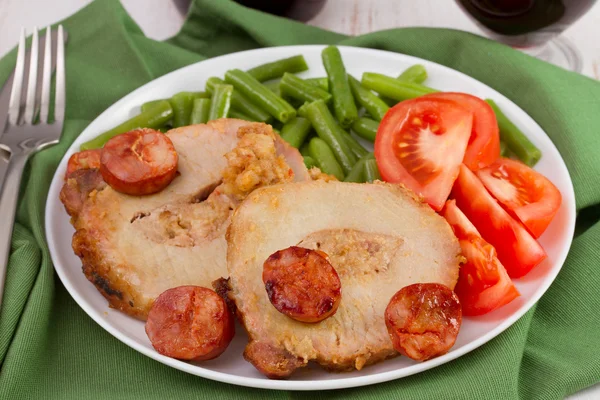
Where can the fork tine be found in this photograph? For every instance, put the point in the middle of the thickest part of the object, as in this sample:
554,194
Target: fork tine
15,94
45,100
32,83
59,104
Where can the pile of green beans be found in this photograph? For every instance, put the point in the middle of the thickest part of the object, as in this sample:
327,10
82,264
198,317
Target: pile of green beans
312,114
240,103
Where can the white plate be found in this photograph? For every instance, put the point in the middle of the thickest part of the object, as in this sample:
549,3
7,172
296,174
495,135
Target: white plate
231,367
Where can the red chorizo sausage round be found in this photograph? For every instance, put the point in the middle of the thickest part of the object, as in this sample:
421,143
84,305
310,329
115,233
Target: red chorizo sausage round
190,323
423,320
139,162
302,284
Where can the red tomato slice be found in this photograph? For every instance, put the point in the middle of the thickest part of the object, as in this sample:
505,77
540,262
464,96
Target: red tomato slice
421,143
524,192
476,296
462,227
484,143
483,284
518,251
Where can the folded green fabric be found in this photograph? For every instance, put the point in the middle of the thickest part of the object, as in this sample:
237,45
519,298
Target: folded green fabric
50,349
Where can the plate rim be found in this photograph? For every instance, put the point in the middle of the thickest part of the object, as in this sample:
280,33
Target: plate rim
301,385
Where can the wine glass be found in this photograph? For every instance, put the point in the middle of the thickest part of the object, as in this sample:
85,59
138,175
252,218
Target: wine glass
532,26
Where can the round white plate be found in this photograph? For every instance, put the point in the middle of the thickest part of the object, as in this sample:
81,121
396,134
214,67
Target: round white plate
231,367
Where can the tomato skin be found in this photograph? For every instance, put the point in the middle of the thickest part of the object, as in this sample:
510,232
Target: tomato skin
484,144
518,251
462,227
476,299
421,143
483,284
524,192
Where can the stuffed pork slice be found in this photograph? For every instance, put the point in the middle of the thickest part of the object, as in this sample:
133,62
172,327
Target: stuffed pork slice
133,248
378,237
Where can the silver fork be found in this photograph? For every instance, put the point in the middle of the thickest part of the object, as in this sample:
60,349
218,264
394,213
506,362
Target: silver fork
21,137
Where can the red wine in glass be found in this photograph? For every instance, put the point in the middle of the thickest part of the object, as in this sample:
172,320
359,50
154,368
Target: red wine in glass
530,25
302,10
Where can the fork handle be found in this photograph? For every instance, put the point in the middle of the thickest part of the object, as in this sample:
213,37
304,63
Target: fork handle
9,194
4,161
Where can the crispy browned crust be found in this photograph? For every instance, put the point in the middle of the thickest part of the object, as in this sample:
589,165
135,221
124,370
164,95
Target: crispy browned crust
98,272
223,288
77,187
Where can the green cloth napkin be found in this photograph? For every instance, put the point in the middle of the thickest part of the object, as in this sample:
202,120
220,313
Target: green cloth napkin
50,349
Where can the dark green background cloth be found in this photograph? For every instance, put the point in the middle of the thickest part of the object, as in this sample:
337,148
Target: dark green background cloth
50,349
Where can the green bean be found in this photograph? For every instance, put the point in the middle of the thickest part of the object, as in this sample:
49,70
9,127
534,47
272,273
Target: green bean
220,102
516,140
304,149
239,115
299,89
296,131
240,102
366,128
200,111
371,171
323,83
393,88
415,74
343,102
310,162
276,69
504,151
355,147
320,151
195,95
357,174
182,107
273,86
154,118
260,95
369,100
149,104
328,129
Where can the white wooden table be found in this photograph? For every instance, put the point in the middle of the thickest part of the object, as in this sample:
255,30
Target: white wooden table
160,19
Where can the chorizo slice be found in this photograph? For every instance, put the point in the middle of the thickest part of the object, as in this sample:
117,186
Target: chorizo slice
423,320
190,323
87,159
139,162
302,284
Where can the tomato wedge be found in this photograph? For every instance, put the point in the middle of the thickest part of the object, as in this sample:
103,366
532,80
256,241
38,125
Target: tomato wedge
421,143
525,193
518,251
483,284
139,162
484,143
